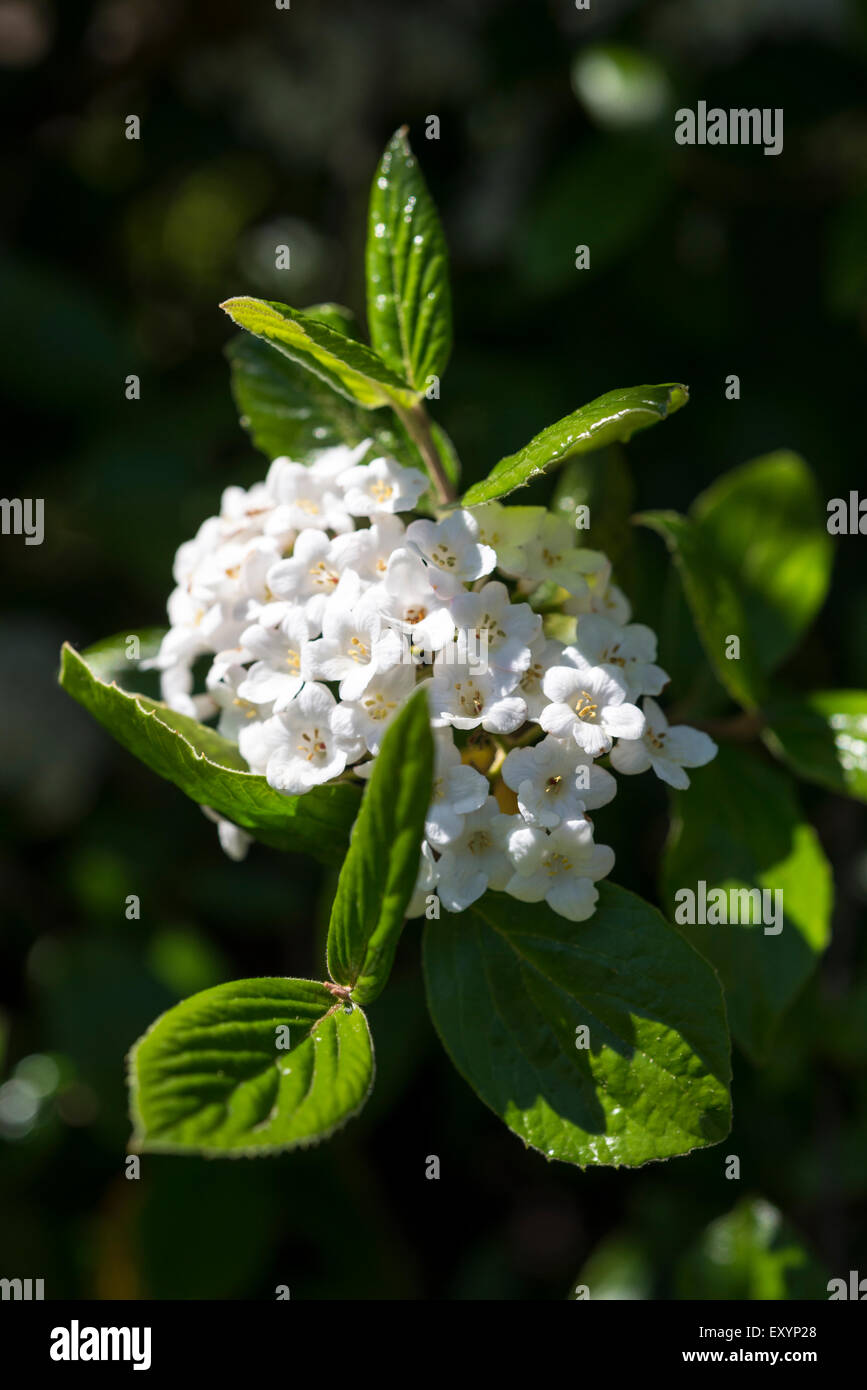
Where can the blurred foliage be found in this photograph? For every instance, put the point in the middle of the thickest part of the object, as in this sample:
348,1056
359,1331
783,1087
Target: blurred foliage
260,127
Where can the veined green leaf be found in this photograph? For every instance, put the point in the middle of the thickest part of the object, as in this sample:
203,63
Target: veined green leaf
823,736
345,365
251,1067
739,828
611,418
408,298
335,316
379,872
717,608
510,989
289,411
767,523
206,766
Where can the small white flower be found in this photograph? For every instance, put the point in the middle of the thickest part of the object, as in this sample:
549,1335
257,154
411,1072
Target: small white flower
407,600
302,746
244,511
313,569
507,629
589,705
235,571
224,681
559,867
552,555
607,599
367,718
452,551
368,550
457,790
556,781
353,646
381,486
305,499
190,553
667,750
631,650
278,650
544,653
600,597
476,860
428,873
234,841
508,531
465,698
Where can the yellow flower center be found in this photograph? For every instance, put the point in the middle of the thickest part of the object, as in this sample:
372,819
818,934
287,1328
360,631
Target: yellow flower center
312,745
443,556
358,651
469,697
378,707
555,863
585,708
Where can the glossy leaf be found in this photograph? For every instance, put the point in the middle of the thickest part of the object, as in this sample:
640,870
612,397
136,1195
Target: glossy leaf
206,766
510,986
739,827
768,526
220,1073
289,411
345,365
823,736
336,316
716,606
610,419
408,298
380,870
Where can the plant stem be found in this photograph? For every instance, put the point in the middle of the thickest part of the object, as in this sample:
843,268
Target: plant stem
417,426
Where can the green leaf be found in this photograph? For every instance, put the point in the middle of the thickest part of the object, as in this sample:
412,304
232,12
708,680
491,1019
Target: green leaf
206,766
752,1253
716,606
380,870
611,418
408,299
336,316
824,738
214,1076
768,525
348,367
739,827
509,986
289,411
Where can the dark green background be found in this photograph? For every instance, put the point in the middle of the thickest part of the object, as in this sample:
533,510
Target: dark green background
261,127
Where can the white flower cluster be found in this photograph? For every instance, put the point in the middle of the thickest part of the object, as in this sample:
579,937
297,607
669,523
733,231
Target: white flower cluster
319,612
